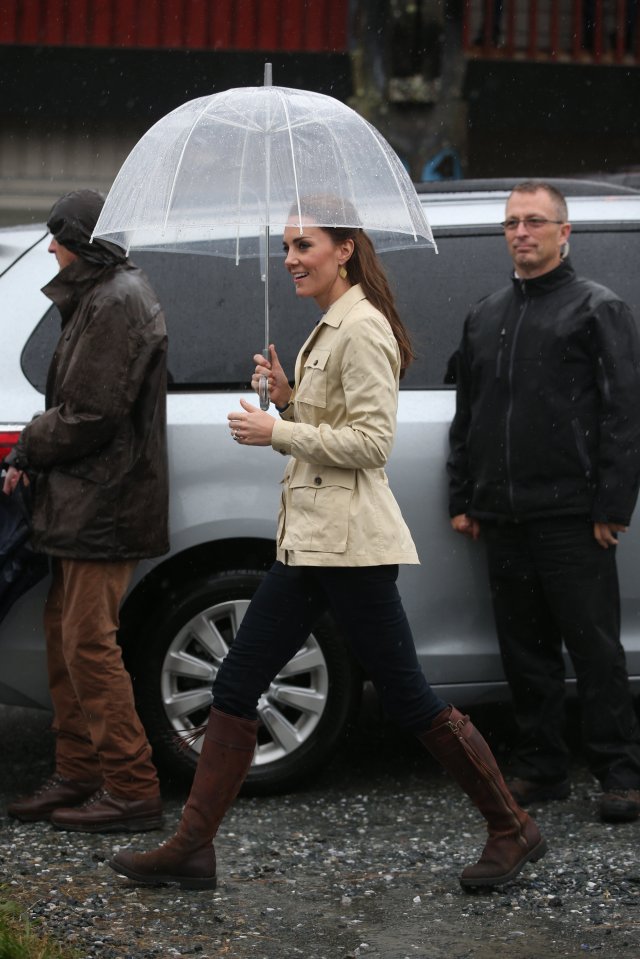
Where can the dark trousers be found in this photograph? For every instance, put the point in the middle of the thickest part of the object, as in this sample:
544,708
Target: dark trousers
366,605
552,583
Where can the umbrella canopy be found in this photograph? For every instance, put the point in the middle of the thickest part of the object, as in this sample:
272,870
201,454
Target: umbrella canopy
220,173
224,174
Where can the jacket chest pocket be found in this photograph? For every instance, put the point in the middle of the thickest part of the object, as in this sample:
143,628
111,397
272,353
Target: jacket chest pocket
318,506
313,384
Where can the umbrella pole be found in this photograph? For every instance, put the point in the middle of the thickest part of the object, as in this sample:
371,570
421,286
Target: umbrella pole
263,387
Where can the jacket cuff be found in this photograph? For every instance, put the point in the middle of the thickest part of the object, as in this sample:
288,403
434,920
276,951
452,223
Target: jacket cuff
16,458
282,436
599,516
458,507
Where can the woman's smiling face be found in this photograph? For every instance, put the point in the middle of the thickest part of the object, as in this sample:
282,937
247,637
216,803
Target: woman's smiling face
313,260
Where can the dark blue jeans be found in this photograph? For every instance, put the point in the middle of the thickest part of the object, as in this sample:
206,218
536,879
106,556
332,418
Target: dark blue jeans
551,584
366,606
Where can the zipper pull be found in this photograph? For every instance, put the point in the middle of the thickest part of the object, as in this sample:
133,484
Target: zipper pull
501,346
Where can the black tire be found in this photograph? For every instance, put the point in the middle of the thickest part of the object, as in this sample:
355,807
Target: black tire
304,713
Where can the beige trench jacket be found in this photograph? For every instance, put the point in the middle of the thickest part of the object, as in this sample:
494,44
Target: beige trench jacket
337,508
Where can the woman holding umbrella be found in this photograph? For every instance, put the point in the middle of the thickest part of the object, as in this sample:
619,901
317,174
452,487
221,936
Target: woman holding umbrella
341,538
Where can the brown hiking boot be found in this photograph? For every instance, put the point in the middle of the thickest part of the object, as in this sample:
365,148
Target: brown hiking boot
103,812
53,794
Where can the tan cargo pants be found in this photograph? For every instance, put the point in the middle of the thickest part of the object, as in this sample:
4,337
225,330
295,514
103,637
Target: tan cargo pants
98,732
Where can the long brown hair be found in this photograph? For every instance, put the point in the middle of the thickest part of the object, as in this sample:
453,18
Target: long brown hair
363,266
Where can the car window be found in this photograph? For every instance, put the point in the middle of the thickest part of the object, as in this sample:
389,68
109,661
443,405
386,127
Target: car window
609,255
434,293
38,350
215,309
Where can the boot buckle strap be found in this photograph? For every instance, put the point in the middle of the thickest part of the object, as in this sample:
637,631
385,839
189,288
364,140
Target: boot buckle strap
457,727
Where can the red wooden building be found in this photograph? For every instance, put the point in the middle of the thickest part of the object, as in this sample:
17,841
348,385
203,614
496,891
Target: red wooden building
318,26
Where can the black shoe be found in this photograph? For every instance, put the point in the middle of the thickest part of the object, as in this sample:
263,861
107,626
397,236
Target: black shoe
524,791
620,805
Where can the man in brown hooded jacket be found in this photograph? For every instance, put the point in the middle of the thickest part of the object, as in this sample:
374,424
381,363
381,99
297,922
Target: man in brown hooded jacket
97,456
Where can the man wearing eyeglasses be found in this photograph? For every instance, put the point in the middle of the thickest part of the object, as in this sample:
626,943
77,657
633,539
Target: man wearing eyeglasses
544,466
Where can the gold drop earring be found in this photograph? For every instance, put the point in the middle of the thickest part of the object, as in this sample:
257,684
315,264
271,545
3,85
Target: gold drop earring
342,273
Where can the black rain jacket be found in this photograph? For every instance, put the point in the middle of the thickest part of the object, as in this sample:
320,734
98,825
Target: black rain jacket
547,416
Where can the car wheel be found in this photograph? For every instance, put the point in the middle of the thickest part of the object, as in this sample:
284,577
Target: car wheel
304,712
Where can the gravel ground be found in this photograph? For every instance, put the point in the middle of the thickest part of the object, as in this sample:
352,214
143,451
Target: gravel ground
362,863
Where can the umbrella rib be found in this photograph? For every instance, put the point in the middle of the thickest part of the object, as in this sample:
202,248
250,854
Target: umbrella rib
242,124
306,121
374,135
293,157
179,164
332,138
239,195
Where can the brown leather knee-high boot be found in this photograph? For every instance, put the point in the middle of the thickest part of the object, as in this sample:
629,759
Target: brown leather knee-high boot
514,838
188,858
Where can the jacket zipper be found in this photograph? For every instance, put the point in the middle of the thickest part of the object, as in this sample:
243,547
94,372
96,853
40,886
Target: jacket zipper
501,346
581,446
606,391
523,310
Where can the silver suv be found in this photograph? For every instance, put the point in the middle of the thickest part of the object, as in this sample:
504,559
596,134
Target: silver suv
183,609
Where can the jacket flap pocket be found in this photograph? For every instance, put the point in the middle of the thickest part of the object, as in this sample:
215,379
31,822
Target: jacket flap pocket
321,476
317,359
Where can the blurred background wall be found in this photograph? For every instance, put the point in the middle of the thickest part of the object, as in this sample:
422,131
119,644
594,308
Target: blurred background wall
473,89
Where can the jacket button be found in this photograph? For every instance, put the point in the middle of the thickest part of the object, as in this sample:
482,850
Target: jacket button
315,362
318,480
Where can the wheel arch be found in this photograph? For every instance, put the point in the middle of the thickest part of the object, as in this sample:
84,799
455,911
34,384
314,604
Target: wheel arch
188,565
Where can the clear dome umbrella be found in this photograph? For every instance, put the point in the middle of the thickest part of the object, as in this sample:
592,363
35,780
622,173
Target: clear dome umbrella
224,174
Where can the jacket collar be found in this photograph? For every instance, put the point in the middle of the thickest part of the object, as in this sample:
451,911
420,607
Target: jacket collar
548,282
338,310
333,317
70,285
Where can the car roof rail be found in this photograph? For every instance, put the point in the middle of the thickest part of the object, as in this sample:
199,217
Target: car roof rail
594,185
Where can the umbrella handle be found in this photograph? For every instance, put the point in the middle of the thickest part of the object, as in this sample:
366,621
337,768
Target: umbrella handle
263,393
263,386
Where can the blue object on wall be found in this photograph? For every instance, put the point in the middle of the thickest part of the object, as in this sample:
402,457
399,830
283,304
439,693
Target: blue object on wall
445,165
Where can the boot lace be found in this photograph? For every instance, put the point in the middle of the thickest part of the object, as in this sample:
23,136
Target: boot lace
50,783
94,798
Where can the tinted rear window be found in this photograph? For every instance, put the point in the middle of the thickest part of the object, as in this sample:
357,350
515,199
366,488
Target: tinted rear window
215,310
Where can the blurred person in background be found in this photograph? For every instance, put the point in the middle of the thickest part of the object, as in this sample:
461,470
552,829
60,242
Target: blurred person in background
98,463
544,465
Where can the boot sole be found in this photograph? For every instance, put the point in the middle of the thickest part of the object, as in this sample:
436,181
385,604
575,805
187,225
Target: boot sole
533,855
25,817
43,815
116,825
184,882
